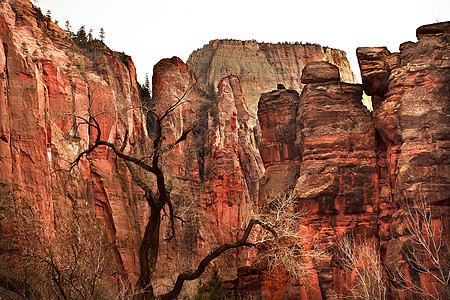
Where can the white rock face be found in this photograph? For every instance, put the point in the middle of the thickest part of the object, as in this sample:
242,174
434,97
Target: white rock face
261,66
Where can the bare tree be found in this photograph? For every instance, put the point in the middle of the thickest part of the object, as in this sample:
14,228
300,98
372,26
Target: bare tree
73,262
425,271
427,252
284,246
147,169
362,259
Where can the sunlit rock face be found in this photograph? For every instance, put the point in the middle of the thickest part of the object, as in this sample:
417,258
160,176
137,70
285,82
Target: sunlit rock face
261,66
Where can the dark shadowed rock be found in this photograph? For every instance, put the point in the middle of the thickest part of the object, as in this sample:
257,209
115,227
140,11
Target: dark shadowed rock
433,29
375,65
276,113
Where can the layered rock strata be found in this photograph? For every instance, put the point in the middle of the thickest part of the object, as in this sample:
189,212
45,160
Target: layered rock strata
366,175
327,142
410,92
261,66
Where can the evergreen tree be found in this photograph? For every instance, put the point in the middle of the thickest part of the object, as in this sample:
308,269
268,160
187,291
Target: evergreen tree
90,36
49,14
215,285
199,295
81,35
102,34
147,83
145,92
68,29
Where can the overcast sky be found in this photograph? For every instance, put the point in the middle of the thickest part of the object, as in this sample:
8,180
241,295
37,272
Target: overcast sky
150,30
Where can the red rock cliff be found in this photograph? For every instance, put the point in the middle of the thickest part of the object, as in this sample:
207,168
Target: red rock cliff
44,80
214,175
361,174
324,144
351,170
410,92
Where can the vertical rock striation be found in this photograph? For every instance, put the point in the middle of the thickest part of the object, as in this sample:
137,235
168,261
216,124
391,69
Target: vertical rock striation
214,175
44,80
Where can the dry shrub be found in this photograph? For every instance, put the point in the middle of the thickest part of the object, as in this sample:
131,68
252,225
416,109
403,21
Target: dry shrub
362,259
427,252
284,244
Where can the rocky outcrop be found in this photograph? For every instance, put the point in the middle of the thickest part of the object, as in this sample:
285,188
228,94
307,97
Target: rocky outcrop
411,98
46,79
338,173
360,174
327,140
261,66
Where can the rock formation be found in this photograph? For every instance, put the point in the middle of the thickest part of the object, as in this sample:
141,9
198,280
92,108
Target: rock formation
261,66
355,172
410,92
279,153
45,80
364,175
214,176
321,146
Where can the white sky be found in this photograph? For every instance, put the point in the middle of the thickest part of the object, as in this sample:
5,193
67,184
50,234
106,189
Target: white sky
150,30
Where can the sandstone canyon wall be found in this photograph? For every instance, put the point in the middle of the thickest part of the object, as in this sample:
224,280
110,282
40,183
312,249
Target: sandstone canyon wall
261,66
410,91
360,174
47,78
214,175
352,170
45,81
